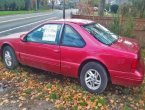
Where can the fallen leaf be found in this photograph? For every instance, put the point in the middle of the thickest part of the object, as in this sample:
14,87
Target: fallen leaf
1,103
13,101
111,101
22,98
6,101
24,108
20,105
99,104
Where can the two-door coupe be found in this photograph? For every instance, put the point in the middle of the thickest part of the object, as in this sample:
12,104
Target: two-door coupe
77,48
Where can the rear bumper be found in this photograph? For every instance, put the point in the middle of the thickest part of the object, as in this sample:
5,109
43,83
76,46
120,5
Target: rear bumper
129,79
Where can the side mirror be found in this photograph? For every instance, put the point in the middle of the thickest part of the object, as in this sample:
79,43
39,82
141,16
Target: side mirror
22,37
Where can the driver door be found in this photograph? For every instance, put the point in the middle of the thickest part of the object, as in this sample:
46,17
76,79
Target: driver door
40,48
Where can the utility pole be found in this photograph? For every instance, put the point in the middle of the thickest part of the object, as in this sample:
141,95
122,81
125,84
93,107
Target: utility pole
63,9
36,5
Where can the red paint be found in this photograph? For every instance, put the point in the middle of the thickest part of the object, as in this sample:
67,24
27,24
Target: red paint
121,59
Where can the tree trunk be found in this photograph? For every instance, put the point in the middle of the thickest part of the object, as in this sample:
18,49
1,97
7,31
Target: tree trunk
28,4
142,9
52,2
38,4
101,8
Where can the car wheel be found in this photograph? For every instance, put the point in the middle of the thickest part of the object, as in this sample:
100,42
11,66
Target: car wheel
9,58
93,77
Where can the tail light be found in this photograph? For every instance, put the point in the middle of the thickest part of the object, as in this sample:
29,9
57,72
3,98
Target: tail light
134,64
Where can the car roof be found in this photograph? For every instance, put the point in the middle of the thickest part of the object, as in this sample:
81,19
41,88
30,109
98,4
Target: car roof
75,21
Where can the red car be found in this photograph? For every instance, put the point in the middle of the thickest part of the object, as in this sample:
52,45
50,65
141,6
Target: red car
77,48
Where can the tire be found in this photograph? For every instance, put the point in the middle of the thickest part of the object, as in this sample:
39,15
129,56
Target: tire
93,77
9,58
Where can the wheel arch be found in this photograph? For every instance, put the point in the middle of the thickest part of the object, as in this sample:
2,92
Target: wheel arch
93,60
4,45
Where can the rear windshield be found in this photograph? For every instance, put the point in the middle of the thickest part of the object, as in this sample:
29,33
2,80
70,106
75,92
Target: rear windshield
101,33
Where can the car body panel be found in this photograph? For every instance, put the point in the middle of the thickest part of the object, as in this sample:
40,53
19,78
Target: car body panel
39,56
127,44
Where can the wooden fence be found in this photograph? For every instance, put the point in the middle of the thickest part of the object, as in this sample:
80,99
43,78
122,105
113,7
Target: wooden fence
139,25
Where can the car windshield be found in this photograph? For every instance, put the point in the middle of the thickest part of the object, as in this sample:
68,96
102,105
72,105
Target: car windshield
101,33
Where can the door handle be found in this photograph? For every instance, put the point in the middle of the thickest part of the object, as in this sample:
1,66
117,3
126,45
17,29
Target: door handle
56,50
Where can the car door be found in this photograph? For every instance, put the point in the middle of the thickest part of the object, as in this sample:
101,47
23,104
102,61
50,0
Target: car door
40,48
72,51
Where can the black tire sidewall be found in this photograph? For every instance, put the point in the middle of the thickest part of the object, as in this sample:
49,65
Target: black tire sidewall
103,74
14,59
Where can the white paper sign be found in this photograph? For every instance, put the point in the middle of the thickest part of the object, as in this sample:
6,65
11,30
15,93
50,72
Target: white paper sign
50,33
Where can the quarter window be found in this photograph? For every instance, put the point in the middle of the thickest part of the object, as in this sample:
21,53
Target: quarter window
72,38
46,34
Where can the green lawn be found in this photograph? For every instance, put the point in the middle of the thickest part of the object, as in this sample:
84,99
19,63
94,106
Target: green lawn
3,13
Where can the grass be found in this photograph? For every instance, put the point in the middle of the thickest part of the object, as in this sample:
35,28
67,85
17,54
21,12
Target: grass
4,13
143,53
28,91
53,95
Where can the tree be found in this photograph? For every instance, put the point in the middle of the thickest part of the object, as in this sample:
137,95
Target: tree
139,5
52,2
101,8
90,2
12,4
94,2
2,4
114,8
28,4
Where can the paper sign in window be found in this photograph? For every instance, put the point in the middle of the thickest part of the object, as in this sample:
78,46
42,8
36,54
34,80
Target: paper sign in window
50,33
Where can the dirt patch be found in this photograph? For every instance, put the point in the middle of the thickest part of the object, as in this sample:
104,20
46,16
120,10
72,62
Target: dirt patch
9,100
28,105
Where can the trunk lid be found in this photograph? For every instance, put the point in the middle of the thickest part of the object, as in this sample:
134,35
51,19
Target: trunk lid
127,44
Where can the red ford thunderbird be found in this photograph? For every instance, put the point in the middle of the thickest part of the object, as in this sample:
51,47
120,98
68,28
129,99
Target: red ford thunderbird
77,48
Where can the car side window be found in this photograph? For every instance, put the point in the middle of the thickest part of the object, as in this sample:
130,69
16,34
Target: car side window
71,38
48,33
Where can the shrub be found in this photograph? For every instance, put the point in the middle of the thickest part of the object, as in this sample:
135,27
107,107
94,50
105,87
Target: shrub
128,27
115,25
107,7
114,8
122,28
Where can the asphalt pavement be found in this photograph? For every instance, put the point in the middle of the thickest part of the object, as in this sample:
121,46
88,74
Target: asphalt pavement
25,22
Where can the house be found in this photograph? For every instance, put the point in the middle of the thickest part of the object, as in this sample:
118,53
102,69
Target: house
117,2
58,4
